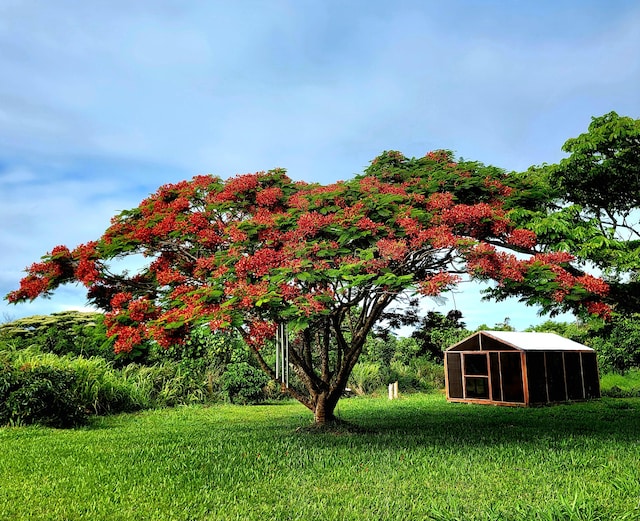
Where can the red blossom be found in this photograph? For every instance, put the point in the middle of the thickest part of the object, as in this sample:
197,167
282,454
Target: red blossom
127,337
265,217
259,332
289,292
180,204
556,257
260,263
441,156
599,309
87,272
498,186
237,235
410,225
310,223
522,238
440,201
310,304
198,222
593,285
392,249
367,224
243,183
209,238
169,277
60,252
511,268
475,220
142,309
436,284
269,196
438,236
121,300
30,288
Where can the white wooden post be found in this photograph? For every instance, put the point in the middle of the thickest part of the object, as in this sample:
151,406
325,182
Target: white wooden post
393,391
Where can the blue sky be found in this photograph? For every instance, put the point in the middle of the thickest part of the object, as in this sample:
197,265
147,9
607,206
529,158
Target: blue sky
101,102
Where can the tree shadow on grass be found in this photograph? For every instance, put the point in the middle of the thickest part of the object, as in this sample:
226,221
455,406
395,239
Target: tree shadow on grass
466,424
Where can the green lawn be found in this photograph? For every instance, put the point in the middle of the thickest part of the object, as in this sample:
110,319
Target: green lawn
415,458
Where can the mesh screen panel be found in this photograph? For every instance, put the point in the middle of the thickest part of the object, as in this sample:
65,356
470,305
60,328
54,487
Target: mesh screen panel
537,378
573,371
512,390
454,375
591,378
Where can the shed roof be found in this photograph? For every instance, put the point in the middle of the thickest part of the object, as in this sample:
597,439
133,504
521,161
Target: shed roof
529,341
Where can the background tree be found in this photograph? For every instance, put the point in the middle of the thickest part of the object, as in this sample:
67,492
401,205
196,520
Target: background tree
436,332
65,332
589,204
258,250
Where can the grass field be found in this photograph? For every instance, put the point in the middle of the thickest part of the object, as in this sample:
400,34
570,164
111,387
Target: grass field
415,458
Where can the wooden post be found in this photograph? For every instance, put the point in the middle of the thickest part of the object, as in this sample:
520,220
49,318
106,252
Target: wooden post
525,377
395,389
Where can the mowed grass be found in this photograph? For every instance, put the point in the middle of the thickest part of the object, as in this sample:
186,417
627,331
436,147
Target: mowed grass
415,458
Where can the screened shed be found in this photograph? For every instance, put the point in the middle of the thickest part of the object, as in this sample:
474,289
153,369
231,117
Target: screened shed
511,368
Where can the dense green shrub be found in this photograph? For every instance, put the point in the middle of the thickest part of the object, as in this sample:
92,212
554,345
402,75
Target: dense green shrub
99,386
420,374
243,383
616,385
44,395
103,388
366,377
429,374
618,344
209,367
405,375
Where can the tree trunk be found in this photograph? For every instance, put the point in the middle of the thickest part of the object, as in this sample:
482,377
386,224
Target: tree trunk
324,408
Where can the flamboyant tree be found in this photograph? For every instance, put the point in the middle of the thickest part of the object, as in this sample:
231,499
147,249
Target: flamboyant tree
259,250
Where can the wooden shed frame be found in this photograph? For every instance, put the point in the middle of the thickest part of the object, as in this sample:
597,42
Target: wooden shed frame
520,369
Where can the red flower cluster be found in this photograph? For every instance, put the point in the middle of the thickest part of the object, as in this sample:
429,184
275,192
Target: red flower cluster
237,186
366,224
392,249
57,268
440,201
259,332
373,185
438,283
269,197
599,309
121,300
441,156
127,337
309,224
522,238
259,264
593,285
